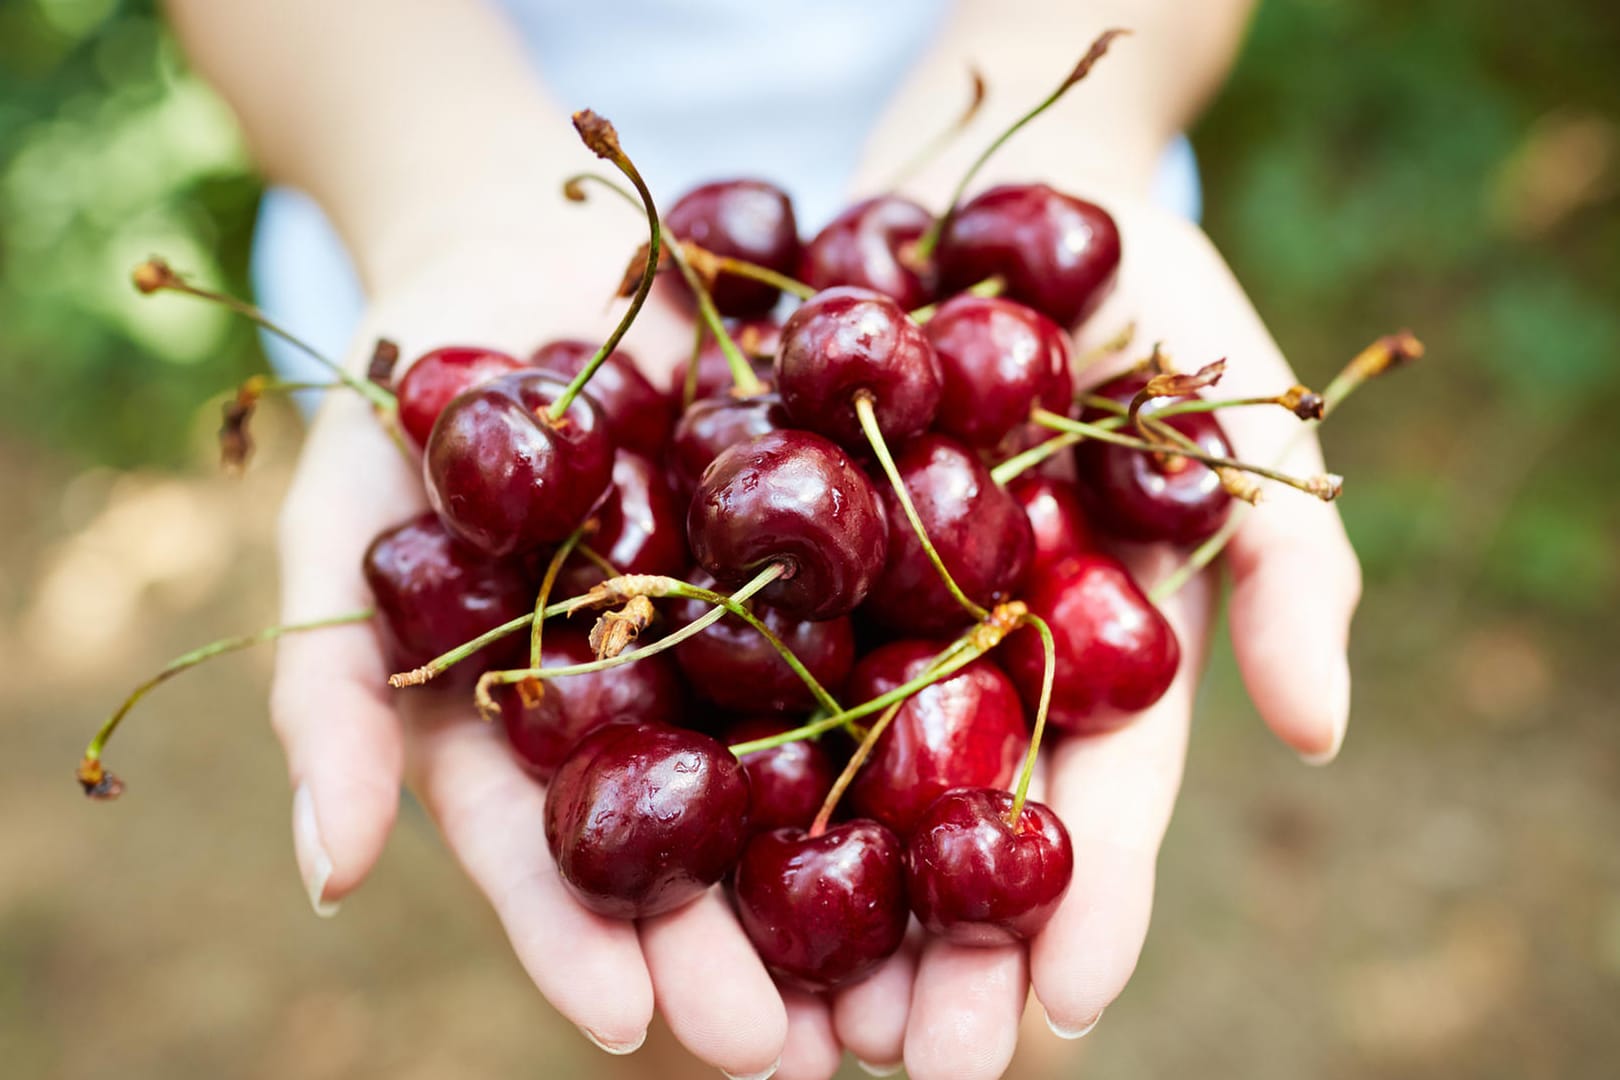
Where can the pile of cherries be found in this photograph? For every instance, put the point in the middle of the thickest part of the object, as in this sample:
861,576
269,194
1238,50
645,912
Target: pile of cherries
848,564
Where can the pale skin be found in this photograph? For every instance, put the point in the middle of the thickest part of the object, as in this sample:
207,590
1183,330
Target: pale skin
444,189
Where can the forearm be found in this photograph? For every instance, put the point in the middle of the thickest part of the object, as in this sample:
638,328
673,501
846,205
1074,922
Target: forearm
413,124
1105,134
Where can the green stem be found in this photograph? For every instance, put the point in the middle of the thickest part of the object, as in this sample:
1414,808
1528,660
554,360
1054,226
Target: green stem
445,661
991,286
726,264
874,435
99,782
1041,709
824,699
936,145
853,766
547,583
1004,473
689,385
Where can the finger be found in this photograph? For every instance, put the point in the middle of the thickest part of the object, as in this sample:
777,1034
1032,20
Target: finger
965,1010
329,703
812,1051
870,1016
492,816
712,988
1115,793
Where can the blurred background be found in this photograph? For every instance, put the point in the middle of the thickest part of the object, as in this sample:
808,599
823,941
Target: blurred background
1443,901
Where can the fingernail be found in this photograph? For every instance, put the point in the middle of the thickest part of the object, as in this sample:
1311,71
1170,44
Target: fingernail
1072,1033
314,864
878,1070
763,1075
617,1049
1338,697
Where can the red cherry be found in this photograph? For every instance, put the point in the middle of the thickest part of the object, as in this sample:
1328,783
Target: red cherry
976,880
643,818
822,911
967,729
793,498
434,592
649,690
714,424
742,219
1000,360
979,531
1144,497
638,417
1116,652
507,478
787,783
1058,523
1057,253
864,246
846,340
440,375
640,528
757,338
732,665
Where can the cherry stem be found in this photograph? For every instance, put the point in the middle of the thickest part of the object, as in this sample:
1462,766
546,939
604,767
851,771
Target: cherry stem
547,583
874,435
930,239
691,629
689,385
100,783
603,141
1325,487
710,263
990,286
1048,673
1004,473
941,139
1200,405
445,661
856,760
742,373
1383,355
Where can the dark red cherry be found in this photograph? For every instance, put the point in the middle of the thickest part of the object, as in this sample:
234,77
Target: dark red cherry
1147,497
758,340
507,478
640,528
794,498
967,729
1056,519
980,532
441,375
643,818
787,783
1057,253
731,664
846,340
744,219
865,246
649,690
1116,653
638,417
718,423
1000,360
976,880
434,592
822,911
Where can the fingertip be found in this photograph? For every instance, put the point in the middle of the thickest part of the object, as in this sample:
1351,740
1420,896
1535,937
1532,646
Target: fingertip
965,1011
811,1051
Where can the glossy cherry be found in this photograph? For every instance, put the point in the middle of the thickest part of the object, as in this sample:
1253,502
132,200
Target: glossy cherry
1057,521
980,532
975,879
1116,652
758,340
822,911
787,783
732,665
437,376
1149,497
794,498
507,478
638,417
967,729
1056,253
434,592
649,690
718,423
847,340
743,219
1000,359
643,818
865,246
641,528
